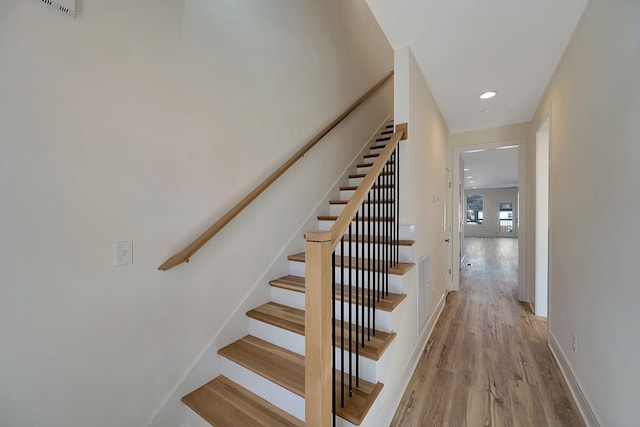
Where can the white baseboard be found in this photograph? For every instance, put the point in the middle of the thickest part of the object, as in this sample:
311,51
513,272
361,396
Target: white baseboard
410,368
581,400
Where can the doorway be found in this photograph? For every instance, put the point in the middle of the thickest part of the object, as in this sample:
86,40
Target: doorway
462,224
540,302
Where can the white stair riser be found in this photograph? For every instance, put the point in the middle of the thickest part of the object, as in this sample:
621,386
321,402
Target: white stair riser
385,194
295,342
406,231
268,390
376,228
405,253
384,209
356,181
296,268
296,300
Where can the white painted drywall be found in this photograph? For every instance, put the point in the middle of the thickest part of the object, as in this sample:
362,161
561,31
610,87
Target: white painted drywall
423,157
594,194
423,160
146,121
489,226
539,298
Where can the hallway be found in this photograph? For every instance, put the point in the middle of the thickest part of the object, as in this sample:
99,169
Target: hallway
487,362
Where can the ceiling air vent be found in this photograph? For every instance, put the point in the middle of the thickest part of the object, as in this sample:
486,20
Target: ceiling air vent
66,7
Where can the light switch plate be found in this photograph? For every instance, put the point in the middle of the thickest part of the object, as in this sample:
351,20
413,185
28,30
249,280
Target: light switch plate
123,253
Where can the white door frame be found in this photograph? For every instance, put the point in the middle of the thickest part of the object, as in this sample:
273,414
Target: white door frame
541,238
456,220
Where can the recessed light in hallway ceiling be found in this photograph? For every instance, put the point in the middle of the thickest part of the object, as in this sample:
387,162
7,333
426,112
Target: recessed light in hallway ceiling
467,46
488,94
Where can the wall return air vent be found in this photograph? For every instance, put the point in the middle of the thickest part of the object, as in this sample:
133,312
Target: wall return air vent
66,7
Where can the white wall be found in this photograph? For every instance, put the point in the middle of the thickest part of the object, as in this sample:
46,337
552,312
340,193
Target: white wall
492,196
594,103
422,167
146,121
422,162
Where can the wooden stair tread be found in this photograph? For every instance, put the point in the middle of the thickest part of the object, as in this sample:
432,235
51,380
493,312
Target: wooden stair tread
368,165
274,363
364,219
292,319
362,175
399,268
365,202
355,187
282,316
297,284
223,403
286,369
371,155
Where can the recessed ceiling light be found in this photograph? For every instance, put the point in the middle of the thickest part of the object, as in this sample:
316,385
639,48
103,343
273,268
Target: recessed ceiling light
466,169
475,187
488,110
488,94
469,176
472,182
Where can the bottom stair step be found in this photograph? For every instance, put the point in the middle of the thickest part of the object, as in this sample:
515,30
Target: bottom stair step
286,369
223,403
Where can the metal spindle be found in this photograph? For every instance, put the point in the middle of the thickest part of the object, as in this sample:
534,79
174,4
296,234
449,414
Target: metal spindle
397,200
386,226
356,306
350,320
342,323
370,267
394,239
378,261
333,336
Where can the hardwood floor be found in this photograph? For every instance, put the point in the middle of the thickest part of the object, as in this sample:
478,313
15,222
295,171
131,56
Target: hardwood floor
487,362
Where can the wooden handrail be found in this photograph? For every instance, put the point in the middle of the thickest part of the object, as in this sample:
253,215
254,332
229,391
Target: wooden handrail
185,254
349,211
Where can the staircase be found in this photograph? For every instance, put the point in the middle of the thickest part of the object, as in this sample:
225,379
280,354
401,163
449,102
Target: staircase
264,375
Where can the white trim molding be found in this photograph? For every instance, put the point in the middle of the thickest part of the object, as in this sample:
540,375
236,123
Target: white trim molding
410,368
588,416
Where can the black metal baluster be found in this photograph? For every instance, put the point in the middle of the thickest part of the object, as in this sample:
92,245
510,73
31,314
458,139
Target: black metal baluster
379,237
397,201
342,323
387,248
333,335
394,240
370,250
356,288
350,319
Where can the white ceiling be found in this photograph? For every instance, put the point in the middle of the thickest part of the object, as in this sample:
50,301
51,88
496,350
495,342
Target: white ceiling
465,47
495,168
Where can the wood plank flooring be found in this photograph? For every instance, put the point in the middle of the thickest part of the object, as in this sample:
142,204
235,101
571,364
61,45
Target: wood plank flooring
487,362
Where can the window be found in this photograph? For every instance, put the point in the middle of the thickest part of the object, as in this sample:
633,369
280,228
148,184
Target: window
505,217
475,205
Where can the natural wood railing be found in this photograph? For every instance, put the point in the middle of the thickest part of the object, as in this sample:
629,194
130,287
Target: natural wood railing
185,254
319,249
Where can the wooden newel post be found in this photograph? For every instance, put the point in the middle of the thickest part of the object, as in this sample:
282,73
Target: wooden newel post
318,328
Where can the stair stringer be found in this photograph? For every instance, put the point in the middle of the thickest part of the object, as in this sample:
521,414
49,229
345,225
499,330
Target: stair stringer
173,412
